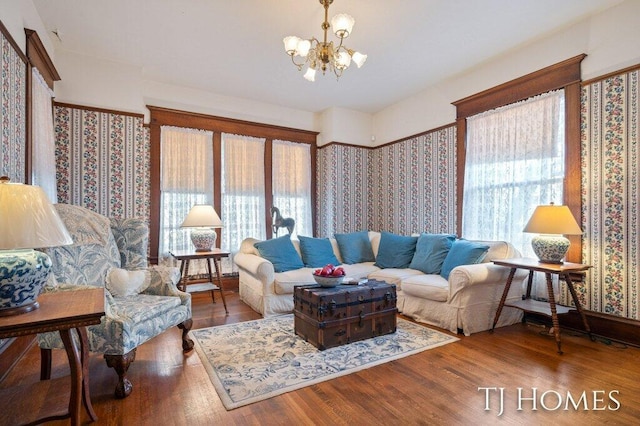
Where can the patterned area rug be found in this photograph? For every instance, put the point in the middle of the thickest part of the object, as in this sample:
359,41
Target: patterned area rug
255,360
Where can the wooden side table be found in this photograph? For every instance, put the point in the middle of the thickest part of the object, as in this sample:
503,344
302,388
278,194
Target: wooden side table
59,311
186,282
550,308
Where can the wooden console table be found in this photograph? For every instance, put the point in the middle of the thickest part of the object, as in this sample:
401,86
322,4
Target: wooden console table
61,311
549,308
186,281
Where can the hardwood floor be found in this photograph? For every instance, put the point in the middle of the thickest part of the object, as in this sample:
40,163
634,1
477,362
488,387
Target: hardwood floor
439,386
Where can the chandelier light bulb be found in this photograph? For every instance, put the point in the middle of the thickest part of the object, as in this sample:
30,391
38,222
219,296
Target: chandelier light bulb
342,25
310,75
343,60
303,47
291,44
359,58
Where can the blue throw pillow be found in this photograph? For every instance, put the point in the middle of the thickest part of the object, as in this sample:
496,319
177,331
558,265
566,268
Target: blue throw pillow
355,247
395,251
431,250
463,252
317,252
281,252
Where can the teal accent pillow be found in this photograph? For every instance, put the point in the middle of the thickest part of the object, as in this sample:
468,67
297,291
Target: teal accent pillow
463,252
355,247
431,250
317,252
395,251
281,252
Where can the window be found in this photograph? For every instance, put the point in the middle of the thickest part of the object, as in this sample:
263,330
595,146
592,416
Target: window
243,190
186,178
292,183
515,161
250,164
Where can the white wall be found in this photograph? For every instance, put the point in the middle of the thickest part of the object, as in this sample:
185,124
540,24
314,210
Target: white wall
611,40
16,15
346,126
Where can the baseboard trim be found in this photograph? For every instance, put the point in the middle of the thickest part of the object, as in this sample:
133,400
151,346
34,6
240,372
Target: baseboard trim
623,330
12,353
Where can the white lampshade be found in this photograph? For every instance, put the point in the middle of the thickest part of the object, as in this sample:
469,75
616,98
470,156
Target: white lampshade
28,219
310,74
553,219
552,222
302,48
342,25
359,58
202,216
291,44
343,60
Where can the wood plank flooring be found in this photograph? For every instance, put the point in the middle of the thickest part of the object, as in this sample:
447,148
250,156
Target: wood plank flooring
436,387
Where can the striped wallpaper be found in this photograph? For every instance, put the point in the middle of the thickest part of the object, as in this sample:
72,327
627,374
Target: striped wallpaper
404,187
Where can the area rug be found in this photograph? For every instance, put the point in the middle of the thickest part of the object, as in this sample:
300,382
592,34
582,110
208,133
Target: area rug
255,360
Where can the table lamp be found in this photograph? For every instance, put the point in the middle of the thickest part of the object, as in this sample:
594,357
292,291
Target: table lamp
28,220
552,223
202,218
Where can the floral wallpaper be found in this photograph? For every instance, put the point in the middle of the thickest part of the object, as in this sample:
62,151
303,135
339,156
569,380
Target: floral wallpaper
404,187
610,184
13,80
102,161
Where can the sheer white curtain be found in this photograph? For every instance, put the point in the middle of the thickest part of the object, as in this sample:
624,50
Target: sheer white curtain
243,190
43,155
514,162
186,178
292,184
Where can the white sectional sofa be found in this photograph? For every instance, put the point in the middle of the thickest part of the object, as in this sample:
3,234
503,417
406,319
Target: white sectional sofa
466,301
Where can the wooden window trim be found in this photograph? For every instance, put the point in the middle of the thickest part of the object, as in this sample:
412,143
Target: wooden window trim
565,75
170,117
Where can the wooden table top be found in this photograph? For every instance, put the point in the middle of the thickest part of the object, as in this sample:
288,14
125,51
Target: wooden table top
58,310
536,265
192,254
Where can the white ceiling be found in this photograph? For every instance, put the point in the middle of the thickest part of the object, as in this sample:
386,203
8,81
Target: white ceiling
235,47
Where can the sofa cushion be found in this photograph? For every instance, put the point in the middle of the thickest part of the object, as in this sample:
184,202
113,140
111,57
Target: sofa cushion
281,253
355,247
431,287
285,281
395,251
393,275
317,252
463,252
359,270
431,250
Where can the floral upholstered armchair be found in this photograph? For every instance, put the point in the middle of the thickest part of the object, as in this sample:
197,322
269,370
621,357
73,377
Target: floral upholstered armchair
140,301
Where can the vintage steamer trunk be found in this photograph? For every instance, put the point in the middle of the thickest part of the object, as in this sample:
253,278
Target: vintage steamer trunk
329,317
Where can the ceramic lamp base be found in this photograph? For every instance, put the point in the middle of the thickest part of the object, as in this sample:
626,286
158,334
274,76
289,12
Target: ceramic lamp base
23,274
203,238
550,248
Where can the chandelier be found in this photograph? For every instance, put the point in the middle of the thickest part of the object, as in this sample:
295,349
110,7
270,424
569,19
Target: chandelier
323,54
